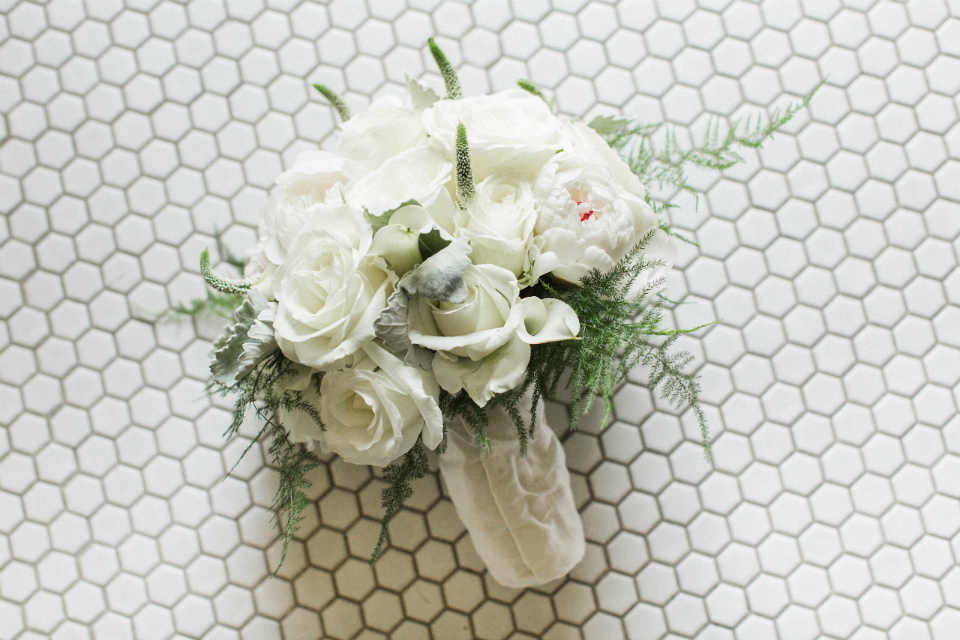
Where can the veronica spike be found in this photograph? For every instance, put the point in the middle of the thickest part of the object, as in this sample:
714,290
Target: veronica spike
447,71
224,285
335,101
531,88
465,187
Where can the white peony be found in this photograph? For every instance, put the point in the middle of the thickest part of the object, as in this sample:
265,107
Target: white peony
499,222
371,138
577,135
374,411
329,291
593,212
507,130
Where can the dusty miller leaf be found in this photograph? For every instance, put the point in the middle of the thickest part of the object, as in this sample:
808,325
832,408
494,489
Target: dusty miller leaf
440,277
226,365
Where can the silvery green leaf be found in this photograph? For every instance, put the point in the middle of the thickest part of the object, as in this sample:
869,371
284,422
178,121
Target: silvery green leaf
423,96
440,277
391,325
608,125
261,340
229,362
391,328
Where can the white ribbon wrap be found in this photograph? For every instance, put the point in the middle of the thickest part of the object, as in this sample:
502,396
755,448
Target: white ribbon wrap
519,510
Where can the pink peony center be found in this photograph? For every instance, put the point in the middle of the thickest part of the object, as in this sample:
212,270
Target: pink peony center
580,194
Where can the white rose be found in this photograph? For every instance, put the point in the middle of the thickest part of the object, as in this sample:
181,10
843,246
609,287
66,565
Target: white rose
329,291
376,135
487,320
591,216
310,181
483,344
496,373
499,222
510,129
421,173
544,320
374,411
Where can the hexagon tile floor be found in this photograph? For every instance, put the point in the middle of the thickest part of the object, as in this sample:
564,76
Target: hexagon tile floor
132,133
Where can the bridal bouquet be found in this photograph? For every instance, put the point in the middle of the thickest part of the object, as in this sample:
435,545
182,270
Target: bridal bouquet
453,263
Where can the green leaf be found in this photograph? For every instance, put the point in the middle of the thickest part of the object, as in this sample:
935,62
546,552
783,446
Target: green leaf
608,125
431,243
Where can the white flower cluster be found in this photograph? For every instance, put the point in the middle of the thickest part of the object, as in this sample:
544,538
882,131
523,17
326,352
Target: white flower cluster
389,282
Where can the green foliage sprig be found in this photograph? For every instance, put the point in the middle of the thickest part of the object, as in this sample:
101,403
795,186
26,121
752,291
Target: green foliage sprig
294,461
216,303
413,467
618,331
466,189
719,150
258,390
225,285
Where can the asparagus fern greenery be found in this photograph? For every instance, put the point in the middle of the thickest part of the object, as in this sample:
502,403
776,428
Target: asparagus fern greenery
618,331
667,167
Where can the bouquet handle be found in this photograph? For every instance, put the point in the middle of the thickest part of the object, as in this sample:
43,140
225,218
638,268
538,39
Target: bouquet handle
519,511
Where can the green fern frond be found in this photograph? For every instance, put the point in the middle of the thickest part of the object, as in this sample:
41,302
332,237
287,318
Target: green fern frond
399,476
719,149
216,303
258,391
294,461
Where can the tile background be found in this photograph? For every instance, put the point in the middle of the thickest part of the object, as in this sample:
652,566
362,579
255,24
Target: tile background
132,132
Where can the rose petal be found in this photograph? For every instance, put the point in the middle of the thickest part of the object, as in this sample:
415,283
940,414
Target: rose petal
548,320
